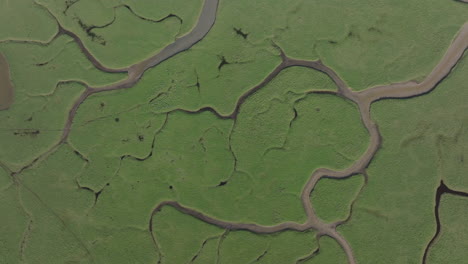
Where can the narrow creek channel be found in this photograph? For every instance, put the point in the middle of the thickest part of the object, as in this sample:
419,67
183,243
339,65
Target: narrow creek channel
6,87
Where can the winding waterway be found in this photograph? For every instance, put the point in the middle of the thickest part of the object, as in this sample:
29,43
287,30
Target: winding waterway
363,99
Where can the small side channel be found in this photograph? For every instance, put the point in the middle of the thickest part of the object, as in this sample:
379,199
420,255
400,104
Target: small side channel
6,87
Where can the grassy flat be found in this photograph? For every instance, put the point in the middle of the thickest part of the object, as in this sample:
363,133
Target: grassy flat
453,237
120,107
332,198
413,160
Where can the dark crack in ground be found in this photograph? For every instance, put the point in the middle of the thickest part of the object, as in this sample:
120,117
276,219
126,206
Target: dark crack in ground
441,190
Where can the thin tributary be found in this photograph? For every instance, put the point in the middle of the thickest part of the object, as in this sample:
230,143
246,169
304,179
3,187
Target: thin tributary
6,87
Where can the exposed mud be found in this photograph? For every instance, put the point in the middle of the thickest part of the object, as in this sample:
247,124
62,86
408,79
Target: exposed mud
6,87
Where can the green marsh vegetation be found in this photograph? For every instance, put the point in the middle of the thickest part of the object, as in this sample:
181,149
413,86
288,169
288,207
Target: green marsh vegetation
452,240
172,136
424,141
